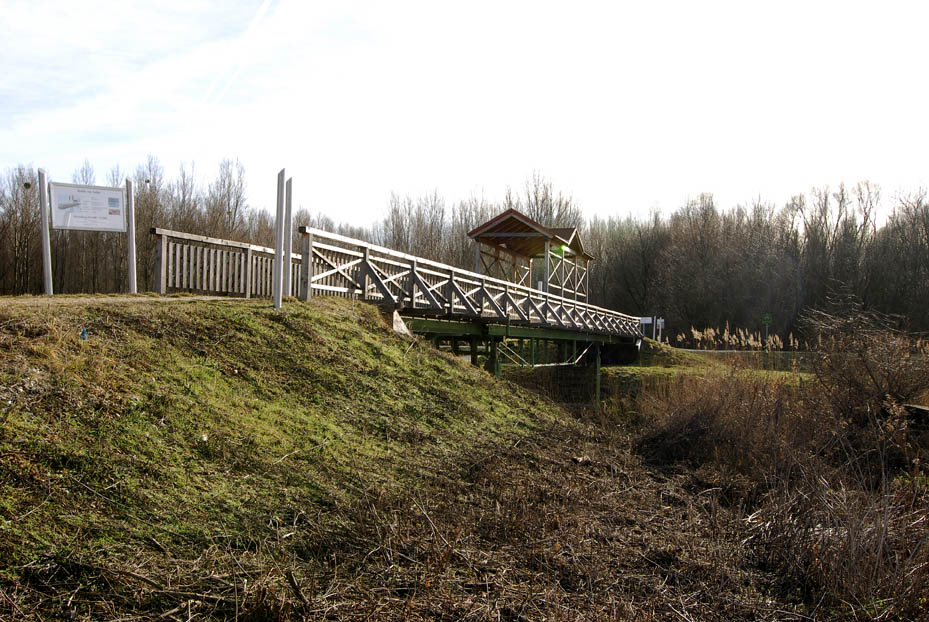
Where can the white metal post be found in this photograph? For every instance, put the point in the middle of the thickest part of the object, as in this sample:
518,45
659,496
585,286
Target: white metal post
46,240
130,212
288,237
276,286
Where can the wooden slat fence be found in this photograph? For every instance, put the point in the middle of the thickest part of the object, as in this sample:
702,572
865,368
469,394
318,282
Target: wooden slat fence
204,265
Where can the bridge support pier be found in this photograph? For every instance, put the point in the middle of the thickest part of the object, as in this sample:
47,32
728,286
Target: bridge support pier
493,358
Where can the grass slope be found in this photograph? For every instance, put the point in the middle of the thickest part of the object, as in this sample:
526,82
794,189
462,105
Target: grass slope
203,430
214,459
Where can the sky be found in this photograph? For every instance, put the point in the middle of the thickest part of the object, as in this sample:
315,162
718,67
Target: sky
625,106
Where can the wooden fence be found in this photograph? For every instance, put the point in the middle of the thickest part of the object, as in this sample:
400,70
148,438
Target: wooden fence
335,265
199,264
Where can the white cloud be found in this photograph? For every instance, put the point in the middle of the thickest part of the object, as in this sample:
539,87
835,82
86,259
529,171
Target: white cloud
624,105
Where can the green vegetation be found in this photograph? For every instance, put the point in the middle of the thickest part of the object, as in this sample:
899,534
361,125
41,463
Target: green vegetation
196,459
193,426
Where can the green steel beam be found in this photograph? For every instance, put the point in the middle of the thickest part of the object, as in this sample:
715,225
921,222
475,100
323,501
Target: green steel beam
500,330
454,328
444,327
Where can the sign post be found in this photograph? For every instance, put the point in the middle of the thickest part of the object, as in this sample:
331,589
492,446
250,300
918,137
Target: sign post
130,219
288,236
46,241
278,275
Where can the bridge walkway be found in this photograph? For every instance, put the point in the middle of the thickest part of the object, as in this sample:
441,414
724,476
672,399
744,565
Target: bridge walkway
450,305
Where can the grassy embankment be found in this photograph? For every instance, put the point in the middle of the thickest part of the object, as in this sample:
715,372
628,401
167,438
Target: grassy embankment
219,432
196,459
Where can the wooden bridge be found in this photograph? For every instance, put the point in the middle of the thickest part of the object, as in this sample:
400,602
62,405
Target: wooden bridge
454,307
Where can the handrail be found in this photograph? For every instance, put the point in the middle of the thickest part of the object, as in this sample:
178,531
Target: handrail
472,276
193,237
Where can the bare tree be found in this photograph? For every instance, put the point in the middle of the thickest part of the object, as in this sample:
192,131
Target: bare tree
545,207
150,194
225,204
21,227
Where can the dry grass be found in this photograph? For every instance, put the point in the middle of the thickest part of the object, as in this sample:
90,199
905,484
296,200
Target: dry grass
831,475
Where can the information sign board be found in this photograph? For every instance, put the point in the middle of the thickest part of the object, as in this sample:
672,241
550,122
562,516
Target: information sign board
88,208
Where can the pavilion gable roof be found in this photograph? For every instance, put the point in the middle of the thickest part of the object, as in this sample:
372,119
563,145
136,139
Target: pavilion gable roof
516,233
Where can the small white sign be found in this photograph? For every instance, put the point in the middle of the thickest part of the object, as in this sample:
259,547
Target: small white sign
645,320
88,208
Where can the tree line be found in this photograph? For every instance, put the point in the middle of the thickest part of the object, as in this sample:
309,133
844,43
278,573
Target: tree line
700,266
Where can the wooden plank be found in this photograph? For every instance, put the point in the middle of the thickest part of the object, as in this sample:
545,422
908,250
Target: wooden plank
161,266
179,235
172,264
228,264
306,277
372,273
221,287
229,271
185,267
201,268
522,314
247,273
494,307
427,292
210,269
190,258
466,303
338,268
237,273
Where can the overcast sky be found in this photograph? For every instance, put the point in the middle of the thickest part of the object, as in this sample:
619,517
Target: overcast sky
625,106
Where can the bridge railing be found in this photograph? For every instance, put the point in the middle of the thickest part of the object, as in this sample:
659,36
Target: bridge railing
335,265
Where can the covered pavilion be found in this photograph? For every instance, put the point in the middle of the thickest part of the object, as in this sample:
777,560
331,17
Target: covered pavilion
511,245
